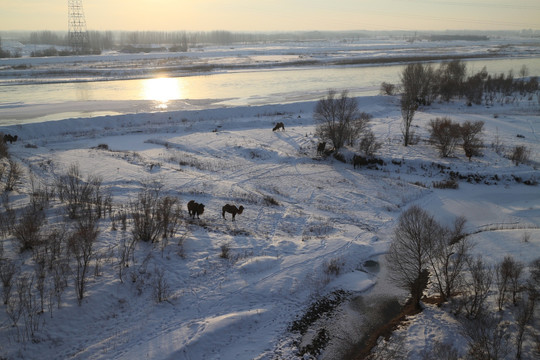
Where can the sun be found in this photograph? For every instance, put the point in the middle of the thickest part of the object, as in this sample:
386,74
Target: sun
162,90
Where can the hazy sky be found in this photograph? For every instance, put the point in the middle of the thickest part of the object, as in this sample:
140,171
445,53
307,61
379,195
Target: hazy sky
275,15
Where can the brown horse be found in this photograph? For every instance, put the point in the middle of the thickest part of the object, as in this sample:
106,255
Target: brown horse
231,209
195,209
278,126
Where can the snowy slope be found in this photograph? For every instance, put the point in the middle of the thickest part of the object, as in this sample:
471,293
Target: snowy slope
241,307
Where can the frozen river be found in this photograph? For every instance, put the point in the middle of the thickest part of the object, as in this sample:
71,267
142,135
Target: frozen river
23,103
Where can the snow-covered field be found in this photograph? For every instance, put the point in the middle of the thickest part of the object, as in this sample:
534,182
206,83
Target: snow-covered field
312,225
303,212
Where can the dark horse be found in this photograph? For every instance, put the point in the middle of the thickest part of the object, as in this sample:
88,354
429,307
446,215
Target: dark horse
320,148
359,161
231,209
10,138
278,126
195,209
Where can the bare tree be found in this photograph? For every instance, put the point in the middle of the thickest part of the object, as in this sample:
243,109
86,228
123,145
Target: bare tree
145,213
477,287
77,192
162,289
13,175
408,254
40,268
60,276
409,106
7,270
451,78
339,119
470,134
502,278
448,256
524,317
418,82
358,127
444,135
81,246
515,279
441,351
488,338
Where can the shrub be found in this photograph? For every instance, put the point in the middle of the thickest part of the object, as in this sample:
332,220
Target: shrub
497,144
269,200
78,193
387,88
444,135
333,266
369,144
13,175
154,215
520,154
81,247
8,269
487,338
28,229
446,184
162,289
225,251
470,134
318,309
4,153
340,157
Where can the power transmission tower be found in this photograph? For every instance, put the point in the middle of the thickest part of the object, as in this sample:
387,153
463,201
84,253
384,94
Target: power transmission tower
77,34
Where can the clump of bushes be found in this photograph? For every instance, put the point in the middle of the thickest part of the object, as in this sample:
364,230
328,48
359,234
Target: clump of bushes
445,135
318,309
446,184
520,154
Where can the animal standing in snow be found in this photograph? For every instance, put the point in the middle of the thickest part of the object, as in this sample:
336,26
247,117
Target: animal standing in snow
321,147
195,209
359,161
10,138
278,126
231,209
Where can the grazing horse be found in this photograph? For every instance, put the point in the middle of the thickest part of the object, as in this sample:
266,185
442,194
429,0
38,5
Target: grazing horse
359,161
231,209
278,126
195,209
321,147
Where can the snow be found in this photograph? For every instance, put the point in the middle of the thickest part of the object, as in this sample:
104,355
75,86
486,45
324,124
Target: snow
240,307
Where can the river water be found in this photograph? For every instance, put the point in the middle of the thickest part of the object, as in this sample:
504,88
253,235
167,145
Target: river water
55,101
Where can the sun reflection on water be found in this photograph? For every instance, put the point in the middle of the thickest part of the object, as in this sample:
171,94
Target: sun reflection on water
162,90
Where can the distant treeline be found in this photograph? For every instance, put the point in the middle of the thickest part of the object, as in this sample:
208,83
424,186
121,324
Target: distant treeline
137,41
110,39
458,37
145,41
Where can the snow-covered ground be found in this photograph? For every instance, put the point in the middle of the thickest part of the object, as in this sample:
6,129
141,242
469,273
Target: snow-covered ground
302,213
